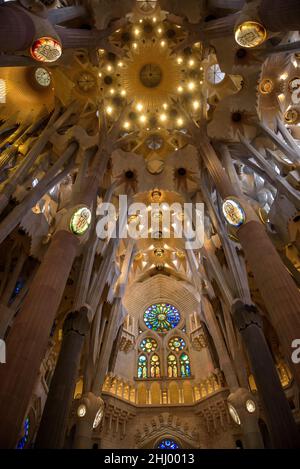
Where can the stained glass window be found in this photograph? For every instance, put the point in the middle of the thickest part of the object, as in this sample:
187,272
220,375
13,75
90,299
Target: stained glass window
148,345
176,344
172,366
142,367
185,368
24,440
155,367
161,317
166,443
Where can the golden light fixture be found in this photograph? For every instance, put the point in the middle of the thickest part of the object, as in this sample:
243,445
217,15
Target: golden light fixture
250,34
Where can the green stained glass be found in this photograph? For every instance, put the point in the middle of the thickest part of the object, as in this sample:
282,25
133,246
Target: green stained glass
161,317
148,345
176,344
185,368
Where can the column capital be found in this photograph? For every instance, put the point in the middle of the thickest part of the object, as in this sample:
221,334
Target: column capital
245,315
77,321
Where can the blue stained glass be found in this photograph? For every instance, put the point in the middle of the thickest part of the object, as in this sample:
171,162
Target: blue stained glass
24,440
161,317
167,444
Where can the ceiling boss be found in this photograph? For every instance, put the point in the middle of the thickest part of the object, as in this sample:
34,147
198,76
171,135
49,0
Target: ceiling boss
152,75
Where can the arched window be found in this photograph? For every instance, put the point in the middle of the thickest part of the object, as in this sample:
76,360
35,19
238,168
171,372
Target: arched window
155,366
167,443
185,368
161,317
142,367
172,366
25,438
148,345
176,344
2,91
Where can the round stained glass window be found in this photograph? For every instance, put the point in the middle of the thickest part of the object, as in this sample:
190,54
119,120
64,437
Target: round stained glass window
176,344
46,49
161,317
80,221
148,345
233,213
167,443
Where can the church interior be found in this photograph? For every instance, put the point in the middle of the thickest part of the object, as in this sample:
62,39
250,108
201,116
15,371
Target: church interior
150,341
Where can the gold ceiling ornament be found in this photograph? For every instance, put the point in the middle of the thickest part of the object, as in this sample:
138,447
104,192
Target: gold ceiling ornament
291,116
250,34
150,77
266,86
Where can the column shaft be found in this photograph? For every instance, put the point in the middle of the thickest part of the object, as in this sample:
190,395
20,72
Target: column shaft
279,15
28,339
279,416
54,422
279,291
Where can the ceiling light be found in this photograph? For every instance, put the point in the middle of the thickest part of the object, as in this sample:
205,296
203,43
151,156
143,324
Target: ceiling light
136,31
165,106
112,91
109,110
143,119
109,68
191,62
163,117
123,93
139,107
126,125
180,121
196,105
191,86
179,60
134,45
120,64
163,43
180,89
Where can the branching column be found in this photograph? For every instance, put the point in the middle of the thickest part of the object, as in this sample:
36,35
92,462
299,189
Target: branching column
278,290
27,342
53,426
279,15
279,416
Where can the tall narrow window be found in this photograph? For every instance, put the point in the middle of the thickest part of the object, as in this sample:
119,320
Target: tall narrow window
155,366
185,368
2,91
142,367
172,366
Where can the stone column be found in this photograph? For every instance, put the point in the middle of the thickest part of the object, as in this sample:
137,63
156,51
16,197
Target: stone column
280,15
278,290
16,29
53,426
279,416
28,339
